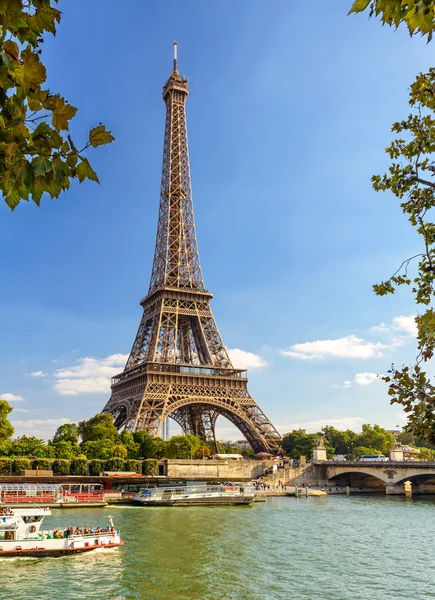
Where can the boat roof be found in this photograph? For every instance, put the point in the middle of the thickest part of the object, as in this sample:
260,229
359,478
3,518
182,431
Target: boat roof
22,487
28,512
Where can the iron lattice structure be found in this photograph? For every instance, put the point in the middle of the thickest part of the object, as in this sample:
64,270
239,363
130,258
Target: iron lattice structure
178,366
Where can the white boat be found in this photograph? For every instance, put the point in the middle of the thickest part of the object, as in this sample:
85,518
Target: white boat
21,535
196,495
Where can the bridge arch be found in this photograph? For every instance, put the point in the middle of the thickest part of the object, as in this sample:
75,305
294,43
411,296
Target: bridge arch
358,478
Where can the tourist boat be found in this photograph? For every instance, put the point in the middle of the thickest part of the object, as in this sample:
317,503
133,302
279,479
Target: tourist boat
196,495
21,535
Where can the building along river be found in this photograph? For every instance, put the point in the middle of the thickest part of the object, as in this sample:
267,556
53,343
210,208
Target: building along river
357,547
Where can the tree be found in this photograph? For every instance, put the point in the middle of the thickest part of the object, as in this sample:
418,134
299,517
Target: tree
119,451
341,442
375,437
69,432
203,452
183,446
64,449
126,439
410,178
100,427
299,443
146,444
418,15
36,156
28,446
6,429
99,449
425,454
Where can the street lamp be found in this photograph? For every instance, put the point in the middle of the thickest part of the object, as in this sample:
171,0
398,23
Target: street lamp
141,458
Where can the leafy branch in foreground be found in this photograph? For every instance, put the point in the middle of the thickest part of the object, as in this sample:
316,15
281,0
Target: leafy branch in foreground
419,15
36,156
411,179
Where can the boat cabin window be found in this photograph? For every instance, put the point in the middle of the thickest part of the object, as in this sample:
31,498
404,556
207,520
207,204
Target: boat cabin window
33,518
7,535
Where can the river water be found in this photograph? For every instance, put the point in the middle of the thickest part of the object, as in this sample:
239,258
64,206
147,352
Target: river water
337,547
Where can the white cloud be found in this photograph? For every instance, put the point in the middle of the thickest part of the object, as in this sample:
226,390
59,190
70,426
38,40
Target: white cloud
43,428
344,386
242,359
11,397
382,327
353,423
350,346
31,423
38,374
359,379
402,323
406,324
21,410
89,375
366,378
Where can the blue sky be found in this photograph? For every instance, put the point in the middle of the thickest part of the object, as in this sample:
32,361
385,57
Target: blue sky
289,112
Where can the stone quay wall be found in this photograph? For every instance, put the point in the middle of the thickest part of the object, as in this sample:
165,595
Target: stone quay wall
233,470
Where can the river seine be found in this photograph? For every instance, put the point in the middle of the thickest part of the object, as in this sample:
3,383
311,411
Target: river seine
357,548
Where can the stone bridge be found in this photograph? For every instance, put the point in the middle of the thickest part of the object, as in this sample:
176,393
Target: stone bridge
390,475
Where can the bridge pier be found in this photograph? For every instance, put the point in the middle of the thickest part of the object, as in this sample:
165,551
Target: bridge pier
395,489
402,489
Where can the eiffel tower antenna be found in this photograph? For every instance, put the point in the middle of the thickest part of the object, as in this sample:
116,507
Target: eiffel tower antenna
175,57
178,366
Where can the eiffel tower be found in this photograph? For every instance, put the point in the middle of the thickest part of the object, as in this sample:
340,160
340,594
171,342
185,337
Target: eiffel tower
178,366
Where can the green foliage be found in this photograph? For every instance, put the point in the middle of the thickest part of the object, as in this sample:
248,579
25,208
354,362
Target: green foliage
375,437
126,439
42,463
100,427
183,446
299,443
418,15
203,452
410,179
36,156
340,442
21,464
96,467
425,454
101,449
61,466
5,466
6,429
119,451
79,466
132,465
150,466
65,449
28,446
145,443
69,432
115,464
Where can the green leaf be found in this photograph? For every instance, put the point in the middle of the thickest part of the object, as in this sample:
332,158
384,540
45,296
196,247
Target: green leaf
41,165
31,73
62,113
358,6
98,136
37,190
11,49
84,170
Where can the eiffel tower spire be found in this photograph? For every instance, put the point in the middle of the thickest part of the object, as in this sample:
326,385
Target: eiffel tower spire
176,259
178,366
